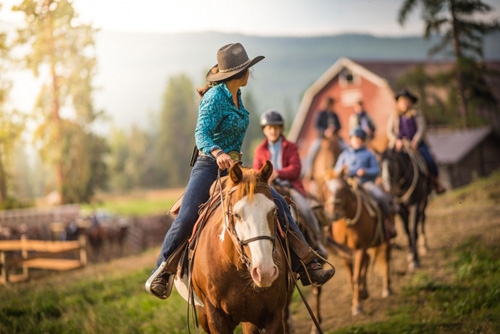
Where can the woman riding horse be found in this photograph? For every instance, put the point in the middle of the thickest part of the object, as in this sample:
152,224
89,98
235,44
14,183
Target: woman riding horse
220,129
408,123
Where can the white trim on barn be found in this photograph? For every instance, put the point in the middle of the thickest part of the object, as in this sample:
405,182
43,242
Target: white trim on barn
321,83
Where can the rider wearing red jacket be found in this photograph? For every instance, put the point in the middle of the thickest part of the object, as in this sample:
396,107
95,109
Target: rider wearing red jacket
284,156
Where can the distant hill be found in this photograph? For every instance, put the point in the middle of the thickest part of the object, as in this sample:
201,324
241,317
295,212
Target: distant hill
134,68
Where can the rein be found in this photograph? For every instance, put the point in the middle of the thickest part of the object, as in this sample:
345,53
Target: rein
406,196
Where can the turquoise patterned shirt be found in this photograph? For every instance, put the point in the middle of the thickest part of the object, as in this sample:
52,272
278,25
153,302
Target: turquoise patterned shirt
220,124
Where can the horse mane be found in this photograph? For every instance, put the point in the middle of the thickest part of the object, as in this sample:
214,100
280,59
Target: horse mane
245,187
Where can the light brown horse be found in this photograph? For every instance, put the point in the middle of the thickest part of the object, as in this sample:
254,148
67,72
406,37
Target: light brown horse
324,161
354,232
239,269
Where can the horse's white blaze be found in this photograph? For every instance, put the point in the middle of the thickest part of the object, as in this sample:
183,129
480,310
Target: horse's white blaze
254,223
334,185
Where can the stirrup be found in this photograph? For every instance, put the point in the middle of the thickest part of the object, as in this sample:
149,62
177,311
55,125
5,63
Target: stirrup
157,273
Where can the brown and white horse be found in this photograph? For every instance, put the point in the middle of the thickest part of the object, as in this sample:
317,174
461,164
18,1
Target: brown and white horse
239,270
356,236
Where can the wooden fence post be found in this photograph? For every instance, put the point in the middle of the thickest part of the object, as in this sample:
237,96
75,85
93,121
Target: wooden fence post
24,251
83,249
3,264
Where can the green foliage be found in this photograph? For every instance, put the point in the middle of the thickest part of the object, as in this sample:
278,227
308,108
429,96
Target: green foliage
63,46
132,160
254,134
175,141
11,128
459,24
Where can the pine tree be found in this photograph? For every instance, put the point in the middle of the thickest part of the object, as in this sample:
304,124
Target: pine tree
62,53
462,32
11,128
175,140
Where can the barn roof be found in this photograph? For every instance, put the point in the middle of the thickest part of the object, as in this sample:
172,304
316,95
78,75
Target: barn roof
452,146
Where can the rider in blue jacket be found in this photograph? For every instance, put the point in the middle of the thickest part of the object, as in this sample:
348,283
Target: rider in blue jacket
362,163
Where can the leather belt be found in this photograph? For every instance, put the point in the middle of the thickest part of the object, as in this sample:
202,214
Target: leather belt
235,156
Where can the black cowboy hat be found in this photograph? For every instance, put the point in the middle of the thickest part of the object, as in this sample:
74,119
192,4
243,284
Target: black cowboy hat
406,93
231,60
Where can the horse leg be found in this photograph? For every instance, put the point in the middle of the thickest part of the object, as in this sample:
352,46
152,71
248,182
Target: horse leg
287,315
217,321
363,291
423,247
273,324
413,221
385,258
316,291
356,281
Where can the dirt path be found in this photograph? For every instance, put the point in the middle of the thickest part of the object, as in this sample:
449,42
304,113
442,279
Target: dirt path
445,228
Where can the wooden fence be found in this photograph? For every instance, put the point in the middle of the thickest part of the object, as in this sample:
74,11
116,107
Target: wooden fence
9,258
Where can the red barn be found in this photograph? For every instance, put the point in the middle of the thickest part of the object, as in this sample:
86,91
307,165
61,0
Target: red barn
371,81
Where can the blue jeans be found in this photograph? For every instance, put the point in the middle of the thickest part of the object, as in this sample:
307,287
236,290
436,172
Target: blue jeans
203,174
197,192
426,154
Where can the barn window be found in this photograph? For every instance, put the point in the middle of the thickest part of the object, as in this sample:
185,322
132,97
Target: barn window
348,78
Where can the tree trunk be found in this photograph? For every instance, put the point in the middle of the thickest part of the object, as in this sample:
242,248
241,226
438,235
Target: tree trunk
3,181
458,64
55,116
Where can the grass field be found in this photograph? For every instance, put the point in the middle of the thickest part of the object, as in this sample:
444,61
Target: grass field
110,297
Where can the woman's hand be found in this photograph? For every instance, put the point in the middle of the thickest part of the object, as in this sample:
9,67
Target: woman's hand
224,161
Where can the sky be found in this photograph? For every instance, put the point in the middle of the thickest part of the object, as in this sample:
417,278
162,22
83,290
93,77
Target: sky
250,17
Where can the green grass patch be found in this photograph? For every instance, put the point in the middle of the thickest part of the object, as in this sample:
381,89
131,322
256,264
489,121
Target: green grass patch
134,206
106,304
467,302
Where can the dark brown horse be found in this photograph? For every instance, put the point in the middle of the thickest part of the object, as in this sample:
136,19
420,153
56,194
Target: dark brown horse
239,269
408,183
356,232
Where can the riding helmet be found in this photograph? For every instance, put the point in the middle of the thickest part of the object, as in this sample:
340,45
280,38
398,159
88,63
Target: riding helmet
358,132
271,117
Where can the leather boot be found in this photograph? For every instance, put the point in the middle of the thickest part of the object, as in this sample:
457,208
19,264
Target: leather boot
389,228
315,274
438,187
160,282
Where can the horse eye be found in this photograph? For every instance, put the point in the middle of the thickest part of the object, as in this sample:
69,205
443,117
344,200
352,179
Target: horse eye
237,216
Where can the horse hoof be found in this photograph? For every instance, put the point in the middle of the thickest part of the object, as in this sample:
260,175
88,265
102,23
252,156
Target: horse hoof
386,293
413,265
357,311
423,250
314,330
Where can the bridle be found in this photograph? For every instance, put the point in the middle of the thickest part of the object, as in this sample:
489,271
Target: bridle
229,225
334,201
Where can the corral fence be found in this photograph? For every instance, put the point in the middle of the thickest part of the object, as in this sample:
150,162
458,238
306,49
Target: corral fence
115,237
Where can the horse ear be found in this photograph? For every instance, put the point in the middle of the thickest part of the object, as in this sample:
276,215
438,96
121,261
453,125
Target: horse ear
235,173
266,171
343,172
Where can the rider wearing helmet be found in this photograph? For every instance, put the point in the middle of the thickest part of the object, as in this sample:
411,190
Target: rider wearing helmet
284,156
362,163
